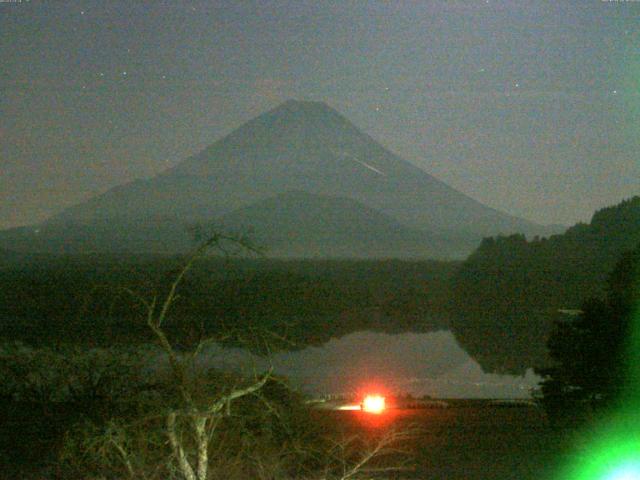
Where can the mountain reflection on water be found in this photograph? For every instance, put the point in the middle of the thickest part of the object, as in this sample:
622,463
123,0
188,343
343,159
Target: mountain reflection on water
416,363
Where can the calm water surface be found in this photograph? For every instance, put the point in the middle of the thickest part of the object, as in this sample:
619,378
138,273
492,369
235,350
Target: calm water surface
417,363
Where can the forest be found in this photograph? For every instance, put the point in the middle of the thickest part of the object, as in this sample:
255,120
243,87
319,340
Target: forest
501,302
75,339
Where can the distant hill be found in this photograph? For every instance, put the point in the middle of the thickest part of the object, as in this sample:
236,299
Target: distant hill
115,235
298,146
290,225
299,224
508,292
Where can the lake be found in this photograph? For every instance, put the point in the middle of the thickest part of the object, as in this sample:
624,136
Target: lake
417,363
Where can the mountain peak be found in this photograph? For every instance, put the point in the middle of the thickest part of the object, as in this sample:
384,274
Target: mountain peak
307,105
304,110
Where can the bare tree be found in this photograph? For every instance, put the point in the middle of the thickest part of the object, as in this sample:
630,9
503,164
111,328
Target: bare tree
186,435
201,418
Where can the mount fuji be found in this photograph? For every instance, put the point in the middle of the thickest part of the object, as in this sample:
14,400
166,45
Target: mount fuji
303,178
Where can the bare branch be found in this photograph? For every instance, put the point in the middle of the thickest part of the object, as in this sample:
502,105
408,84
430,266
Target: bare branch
123,456
208,341
238,393
381,448
183,462
202,439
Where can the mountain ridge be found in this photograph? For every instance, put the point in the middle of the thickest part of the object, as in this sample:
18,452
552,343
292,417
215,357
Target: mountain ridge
296,146
300,224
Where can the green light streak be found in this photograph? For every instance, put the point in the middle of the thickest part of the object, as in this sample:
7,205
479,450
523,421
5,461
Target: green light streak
613,455
613,446
627,471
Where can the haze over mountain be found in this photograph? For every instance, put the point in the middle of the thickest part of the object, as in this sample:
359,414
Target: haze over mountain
247,179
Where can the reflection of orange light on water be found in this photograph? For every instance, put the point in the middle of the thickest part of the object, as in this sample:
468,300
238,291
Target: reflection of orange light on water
373,404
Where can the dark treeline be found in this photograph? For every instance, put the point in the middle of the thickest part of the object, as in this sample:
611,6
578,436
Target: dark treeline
595,353
45,300
500,303
509,292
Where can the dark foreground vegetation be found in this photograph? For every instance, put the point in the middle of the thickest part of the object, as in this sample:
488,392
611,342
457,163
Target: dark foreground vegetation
164,412
84,395
474,440
103,414
467,441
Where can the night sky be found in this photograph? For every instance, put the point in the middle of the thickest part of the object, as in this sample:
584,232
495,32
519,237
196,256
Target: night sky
530,107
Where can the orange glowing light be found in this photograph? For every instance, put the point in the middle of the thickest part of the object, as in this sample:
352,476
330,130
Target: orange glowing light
373,404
